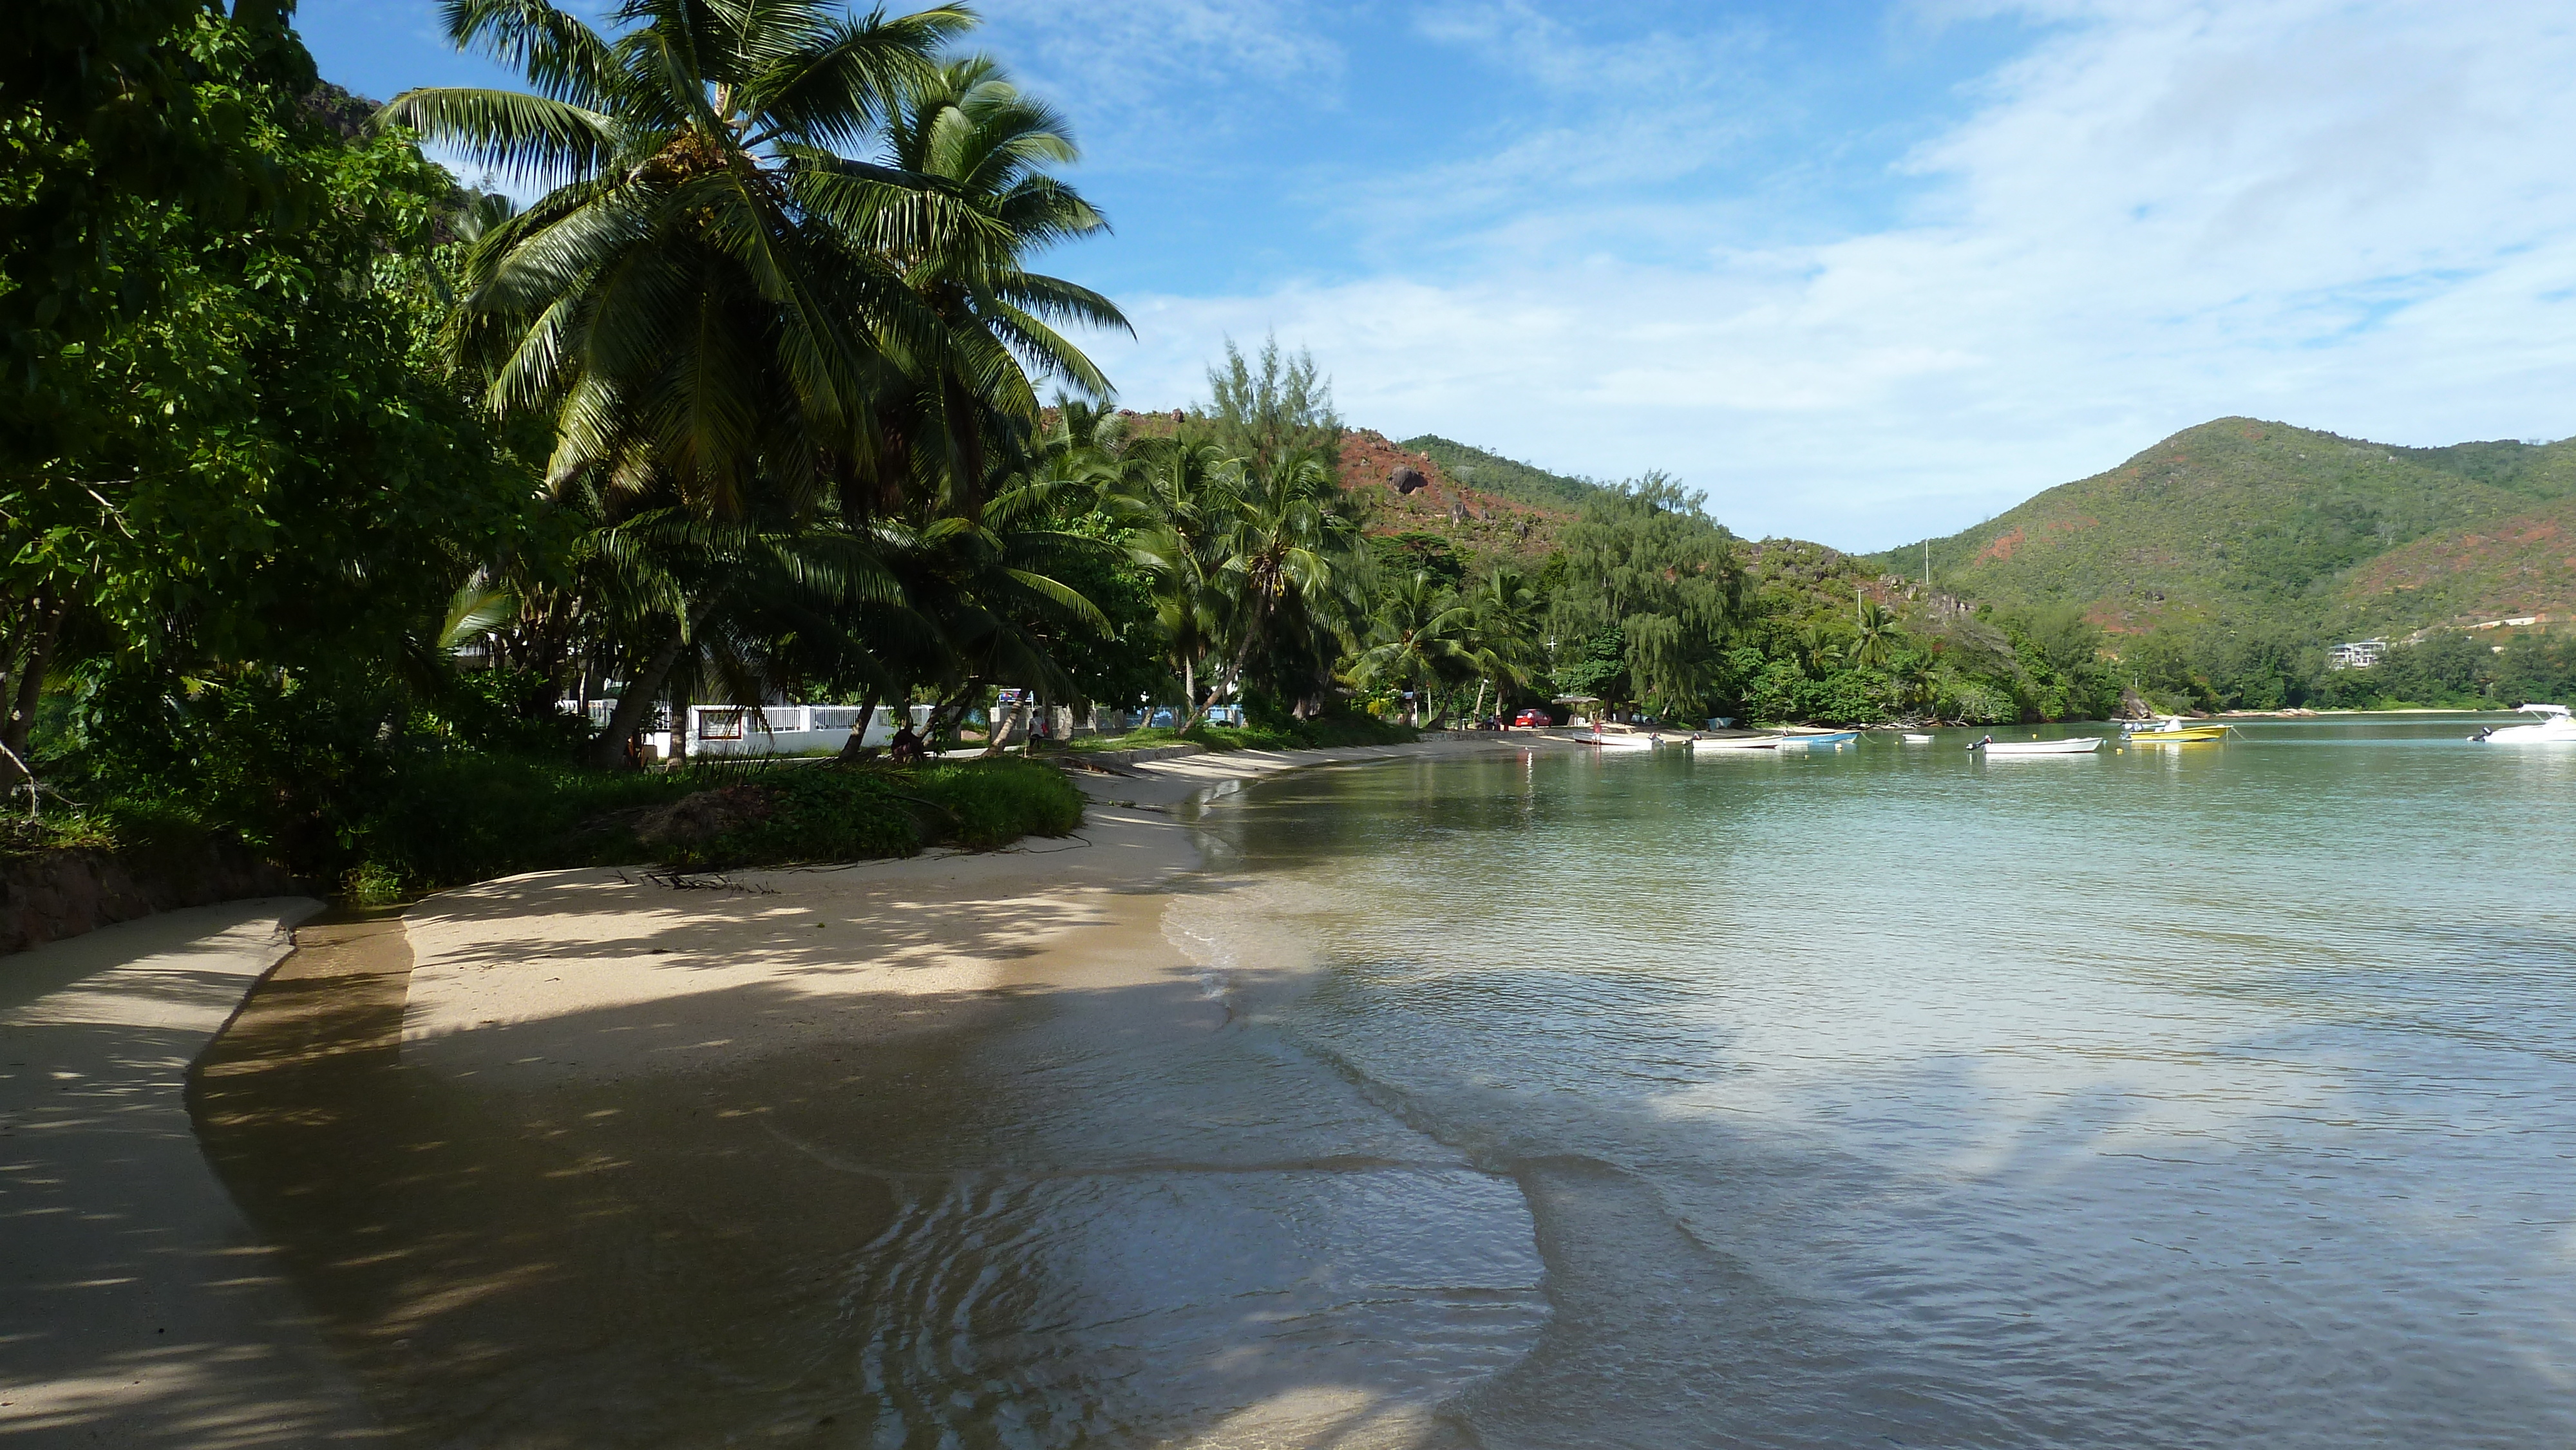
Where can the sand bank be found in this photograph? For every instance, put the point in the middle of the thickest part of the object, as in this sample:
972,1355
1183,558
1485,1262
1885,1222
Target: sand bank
601,975
136,1305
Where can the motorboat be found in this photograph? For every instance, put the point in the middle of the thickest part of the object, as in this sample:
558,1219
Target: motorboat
2173,730
1913,739
1622,738
2077,745
1821,737
1735,742
2555,726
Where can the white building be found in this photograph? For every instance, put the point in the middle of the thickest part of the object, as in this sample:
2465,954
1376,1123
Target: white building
2361,654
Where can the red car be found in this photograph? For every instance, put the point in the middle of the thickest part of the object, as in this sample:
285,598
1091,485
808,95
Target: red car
1533,719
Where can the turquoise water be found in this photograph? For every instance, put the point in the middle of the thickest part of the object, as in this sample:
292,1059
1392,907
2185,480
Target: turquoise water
2213,1095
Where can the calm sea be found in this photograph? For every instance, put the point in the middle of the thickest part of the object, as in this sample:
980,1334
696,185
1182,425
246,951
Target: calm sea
2218,1095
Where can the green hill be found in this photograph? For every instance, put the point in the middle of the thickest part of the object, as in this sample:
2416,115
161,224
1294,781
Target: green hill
2254,521
1504,477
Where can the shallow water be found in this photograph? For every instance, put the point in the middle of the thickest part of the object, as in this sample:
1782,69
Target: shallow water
2212,1095
2204,1096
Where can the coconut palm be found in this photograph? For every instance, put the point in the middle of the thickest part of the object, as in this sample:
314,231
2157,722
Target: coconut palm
1183,495
1295,574
1423,636
1875,636
1506,632
979,144
703,300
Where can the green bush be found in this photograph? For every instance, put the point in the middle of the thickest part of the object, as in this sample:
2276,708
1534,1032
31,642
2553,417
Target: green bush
847,813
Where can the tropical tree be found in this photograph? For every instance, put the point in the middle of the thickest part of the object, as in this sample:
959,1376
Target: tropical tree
1645,562
1272,409
1185,493
1507,626
1423,637
721,312
973,153
1295,576
1875,636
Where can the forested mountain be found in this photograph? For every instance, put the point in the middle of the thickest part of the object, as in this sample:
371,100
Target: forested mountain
2245,521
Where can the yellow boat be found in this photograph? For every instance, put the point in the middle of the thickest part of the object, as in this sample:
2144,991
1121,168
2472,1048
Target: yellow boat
2172,731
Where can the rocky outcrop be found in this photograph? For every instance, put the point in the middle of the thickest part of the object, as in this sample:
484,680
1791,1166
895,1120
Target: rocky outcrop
48,895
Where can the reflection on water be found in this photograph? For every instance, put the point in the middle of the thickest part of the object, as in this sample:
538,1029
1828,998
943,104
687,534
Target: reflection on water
2211,1095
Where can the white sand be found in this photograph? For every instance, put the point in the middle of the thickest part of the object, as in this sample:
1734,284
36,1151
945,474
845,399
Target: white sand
598,975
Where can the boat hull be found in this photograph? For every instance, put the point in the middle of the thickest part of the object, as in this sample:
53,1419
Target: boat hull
2013,749
2191,735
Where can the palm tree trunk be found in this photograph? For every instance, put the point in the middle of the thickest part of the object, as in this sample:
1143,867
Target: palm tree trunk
858,740
610,751
1002,727
1242,656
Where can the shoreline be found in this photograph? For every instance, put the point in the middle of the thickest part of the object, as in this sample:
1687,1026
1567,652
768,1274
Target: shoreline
544,1105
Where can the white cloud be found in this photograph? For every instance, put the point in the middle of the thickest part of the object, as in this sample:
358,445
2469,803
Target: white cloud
2350,216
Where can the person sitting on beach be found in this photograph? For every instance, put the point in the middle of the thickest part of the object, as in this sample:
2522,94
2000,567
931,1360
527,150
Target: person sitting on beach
906,748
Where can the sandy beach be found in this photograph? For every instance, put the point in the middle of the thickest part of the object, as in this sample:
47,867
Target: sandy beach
546,1149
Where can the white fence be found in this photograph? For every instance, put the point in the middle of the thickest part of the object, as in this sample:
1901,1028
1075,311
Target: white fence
787,729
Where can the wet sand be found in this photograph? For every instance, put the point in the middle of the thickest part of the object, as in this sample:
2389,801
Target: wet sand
136,1305
576,1159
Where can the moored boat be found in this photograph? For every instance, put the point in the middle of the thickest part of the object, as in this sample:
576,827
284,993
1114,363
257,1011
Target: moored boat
1822,737
1736,742
1623,738
2078,745
2556,726
1913,739
2174,730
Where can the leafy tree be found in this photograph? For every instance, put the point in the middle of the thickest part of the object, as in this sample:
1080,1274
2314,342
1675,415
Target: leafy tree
1644,560
251,466
1275,410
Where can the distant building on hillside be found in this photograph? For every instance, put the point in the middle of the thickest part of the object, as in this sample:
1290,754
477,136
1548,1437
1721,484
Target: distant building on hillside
2361,654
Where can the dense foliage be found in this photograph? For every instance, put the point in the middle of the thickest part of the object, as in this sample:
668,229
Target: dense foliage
374,521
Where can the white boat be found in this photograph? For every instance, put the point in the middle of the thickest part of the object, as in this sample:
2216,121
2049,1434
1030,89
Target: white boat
2078,745
1736,742
1822,737
1913,739
2555,726
1625,739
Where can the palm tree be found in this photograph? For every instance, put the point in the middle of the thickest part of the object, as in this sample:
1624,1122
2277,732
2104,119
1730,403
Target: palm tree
696,302
720,312
1506,632
1294,573
1184,494
1821,652
1423,636
1876,636
983,148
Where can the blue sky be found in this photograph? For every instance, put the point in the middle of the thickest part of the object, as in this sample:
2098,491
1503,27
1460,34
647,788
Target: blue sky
1860,272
